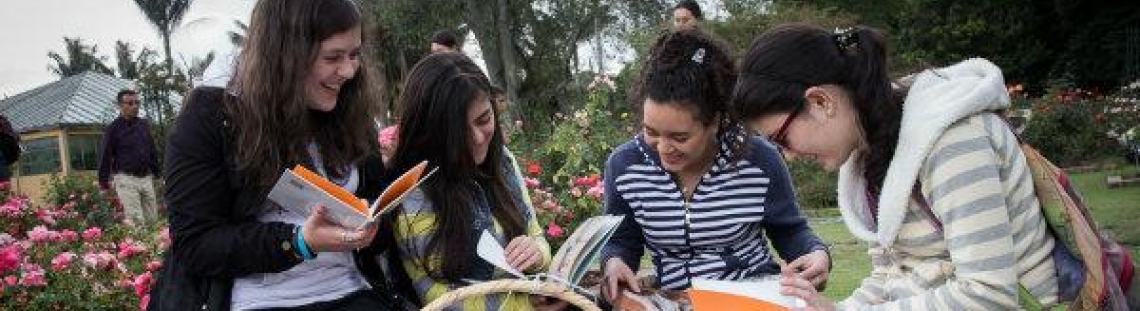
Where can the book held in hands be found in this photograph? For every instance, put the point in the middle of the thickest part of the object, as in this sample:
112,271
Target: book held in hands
571,261
300,189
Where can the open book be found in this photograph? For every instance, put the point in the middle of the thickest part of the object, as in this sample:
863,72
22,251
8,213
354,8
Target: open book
760,295
300,189
571,261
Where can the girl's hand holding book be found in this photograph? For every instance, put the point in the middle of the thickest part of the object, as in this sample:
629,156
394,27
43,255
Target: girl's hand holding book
322,234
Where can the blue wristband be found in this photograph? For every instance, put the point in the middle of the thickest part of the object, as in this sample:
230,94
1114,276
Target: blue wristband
301,246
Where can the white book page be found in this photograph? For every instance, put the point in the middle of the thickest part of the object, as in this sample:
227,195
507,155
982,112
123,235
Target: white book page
566,260
297,194
765,289
607,225
490,250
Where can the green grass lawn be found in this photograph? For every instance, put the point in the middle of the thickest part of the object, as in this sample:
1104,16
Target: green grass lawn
1116,210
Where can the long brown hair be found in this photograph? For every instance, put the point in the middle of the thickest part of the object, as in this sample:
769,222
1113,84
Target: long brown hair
272,120
433,126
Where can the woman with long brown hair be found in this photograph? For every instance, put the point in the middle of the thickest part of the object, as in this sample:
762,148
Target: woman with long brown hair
301,95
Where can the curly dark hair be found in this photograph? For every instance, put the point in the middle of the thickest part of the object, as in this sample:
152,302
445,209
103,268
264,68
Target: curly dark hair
688,68
786,60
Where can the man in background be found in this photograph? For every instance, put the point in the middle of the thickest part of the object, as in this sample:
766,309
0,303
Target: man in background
687,14
128,160
9,149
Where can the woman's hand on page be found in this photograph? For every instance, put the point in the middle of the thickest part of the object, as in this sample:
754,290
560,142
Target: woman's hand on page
618,276
792,284
324,235
523,252
813,266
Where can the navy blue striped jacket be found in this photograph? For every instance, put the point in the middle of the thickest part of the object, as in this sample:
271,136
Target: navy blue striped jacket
735,206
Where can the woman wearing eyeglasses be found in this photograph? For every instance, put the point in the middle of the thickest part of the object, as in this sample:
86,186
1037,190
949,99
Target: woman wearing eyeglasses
929,175
696,190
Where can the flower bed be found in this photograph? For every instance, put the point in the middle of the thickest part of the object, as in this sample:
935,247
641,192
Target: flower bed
74,255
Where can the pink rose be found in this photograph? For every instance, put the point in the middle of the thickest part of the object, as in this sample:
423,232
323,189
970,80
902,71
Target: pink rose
153,265
576,192
68,235
92,234
129,248
10,258
389,136
61,261
553,230
46,216
532,182
144,302
164,238
101,260
13,208
11,280
33,276
142,283
41,234
597,191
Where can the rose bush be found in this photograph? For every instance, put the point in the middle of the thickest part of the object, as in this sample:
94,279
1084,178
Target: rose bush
71,252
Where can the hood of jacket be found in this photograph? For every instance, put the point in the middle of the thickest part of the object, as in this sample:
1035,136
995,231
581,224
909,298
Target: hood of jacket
937,98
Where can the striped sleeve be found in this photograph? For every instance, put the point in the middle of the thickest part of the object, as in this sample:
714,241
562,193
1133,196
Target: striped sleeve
412,232
962,181
872,290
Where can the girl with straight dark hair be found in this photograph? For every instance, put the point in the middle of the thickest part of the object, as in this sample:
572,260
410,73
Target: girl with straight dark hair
929,174
446,118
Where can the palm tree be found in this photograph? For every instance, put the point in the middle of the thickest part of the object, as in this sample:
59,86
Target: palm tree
80,58
131,65
165,16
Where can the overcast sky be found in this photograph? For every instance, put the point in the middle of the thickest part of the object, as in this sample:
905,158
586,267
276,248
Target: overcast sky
29,29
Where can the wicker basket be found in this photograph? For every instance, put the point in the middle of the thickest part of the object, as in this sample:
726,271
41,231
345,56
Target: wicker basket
541,287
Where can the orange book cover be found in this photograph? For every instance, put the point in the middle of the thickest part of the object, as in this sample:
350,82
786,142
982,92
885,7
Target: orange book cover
715,301
300,188
761,294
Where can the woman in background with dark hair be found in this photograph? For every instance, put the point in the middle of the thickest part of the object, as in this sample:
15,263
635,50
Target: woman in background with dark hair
687,14
935,183
696,189
447,118
301,96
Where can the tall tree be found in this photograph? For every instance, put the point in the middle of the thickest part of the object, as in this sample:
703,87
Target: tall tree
131,65
77,58
165,16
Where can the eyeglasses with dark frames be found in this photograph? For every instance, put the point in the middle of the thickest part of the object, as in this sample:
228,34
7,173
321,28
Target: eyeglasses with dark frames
780,137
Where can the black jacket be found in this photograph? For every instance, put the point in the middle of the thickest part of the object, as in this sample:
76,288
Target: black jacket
215,235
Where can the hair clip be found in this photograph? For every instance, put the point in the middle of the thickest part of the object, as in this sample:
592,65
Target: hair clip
699,56
845,39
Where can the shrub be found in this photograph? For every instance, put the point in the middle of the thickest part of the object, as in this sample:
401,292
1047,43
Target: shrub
1070,127
563,170
815,188
52,257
